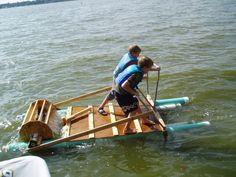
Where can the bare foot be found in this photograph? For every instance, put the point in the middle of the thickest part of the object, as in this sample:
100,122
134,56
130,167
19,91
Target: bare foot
148,122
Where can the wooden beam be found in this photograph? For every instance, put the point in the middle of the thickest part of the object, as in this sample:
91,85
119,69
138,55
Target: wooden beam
87,132
69,111
48,114
34,110
40,118
26,119
68,123
91,122
82,97
74,116
113,119
137,126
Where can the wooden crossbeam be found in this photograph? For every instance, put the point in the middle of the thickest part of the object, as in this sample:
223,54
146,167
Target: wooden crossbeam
91,122
82,97
78,114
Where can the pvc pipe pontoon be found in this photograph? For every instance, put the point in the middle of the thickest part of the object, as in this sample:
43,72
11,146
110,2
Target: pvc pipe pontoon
181,100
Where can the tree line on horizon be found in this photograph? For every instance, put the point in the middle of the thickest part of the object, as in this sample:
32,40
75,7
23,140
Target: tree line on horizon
26,3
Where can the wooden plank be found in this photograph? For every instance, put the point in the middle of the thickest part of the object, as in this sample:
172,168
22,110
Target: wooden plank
91,122
26,119
41,111
62,103
113,119
79,124
137,126
68,123
87,132
76,115
33,112
48,114
69,111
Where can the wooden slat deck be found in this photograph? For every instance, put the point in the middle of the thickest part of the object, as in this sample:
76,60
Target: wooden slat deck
113,119
81,123
95,119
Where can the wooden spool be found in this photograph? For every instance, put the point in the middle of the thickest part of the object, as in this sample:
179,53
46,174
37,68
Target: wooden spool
41,119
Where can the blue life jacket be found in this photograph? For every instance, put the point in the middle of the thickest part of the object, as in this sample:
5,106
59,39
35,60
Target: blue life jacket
125,61
123,76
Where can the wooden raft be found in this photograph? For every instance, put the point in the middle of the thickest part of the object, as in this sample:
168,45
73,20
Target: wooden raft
42,122
80,119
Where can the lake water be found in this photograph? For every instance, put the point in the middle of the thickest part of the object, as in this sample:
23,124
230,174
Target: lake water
62,50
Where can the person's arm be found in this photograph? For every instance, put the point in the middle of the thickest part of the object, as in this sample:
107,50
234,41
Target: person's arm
131,82
127,88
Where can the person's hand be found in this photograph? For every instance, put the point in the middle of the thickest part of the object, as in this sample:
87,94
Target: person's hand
157,68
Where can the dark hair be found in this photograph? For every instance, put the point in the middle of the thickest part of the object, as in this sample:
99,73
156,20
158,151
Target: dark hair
145,62
134,49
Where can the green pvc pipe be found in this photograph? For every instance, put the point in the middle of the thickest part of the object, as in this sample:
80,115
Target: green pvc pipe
181,100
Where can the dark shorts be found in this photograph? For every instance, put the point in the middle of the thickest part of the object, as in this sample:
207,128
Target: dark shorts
111,95
128,103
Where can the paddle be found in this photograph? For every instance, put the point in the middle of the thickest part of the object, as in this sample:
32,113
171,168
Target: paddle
62,103
158,78
147,84
80,134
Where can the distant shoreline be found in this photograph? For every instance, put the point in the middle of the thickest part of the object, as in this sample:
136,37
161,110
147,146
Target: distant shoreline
26,3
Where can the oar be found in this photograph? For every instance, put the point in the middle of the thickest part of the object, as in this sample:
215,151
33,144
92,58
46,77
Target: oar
153,108
147,84
62,103
158,78
80,134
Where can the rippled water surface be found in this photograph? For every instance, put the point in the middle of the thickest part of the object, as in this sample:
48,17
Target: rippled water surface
61,50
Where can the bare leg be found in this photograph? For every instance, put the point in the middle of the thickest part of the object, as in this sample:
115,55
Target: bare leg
104,102
110,96
101,110
127,129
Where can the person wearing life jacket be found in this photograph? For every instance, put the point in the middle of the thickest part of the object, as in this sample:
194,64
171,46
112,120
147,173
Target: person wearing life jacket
130,58
125,90
127,60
